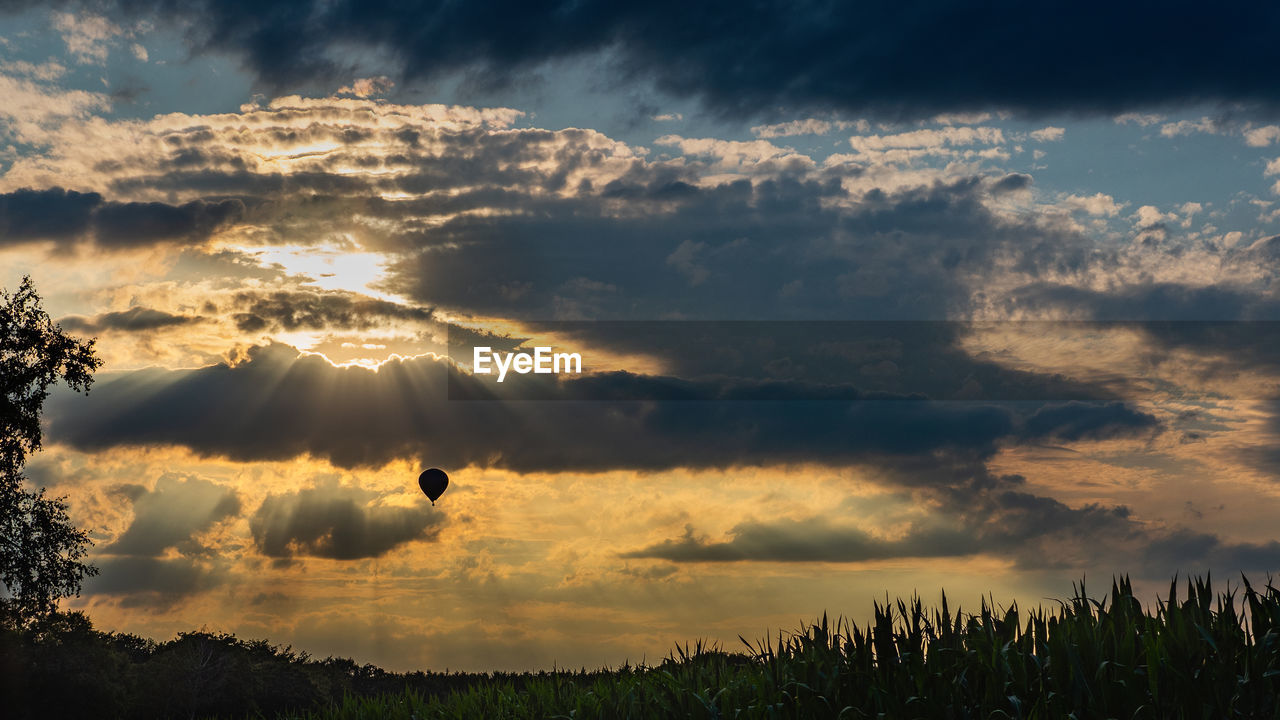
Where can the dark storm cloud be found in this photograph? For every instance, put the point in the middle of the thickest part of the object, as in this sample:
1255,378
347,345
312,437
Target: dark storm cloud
648,243
316,310
903,357
781,248
53,214
136,319
67,216
278,405
136,223
172,514
749,59
337,523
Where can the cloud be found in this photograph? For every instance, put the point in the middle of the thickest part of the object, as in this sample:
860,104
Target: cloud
896,359
933,139
1139,119
1193,552
735,155
45,72
810,126
68,216
996,519
815,539
1048,134
1078,421
972,145
289,144
276,404
353,416
366,87
35,110
1098,204
142,581
1226,348
684,259
741,61
358,417
1034,531
87,35
480,217
728,250
309,309
963,118
172,514
1262,136
1207,125
46,214
1013,182
136,223
135,319
1147,302
339,523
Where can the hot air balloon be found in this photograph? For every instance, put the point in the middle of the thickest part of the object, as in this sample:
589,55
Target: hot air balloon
433,482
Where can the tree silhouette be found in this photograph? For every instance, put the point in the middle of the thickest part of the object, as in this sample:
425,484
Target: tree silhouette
40,550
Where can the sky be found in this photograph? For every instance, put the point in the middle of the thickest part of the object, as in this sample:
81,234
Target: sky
871,300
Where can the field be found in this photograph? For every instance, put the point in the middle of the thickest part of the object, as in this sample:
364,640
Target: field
1194,654
1198,656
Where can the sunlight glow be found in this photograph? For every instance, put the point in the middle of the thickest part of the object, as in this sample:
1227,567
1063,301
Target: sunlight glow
371,363
331,266
298,152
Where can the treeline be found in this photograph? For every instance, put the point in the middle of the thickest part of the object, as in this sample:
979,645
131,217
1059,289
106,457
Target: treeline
60,666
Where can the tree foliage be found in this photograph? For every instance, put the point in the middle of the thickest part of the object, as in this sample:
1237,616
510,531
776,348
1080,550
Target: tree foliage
41,551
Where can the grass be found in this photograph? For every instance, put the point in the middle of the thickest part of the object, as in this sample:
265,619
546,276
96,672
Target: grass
1194,655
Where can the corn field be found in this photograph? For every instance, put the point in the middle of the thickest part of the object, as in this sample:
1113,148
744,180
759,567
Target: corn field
1193,655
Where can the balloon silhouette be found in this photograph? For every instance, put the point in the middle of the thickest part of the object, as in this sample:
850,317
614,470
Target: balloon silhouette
433,482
